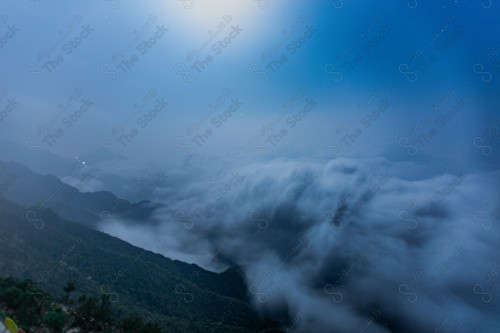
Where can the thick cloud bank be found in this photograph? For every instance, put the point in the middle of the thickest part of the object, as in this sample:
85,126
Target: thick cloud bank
343,246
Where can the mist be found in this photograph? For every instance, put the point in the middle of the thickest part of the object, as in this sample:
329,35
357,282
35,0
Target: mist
344,154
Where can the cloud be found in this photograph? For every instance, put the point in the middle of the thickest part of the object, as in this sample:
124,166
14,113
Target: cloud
343,245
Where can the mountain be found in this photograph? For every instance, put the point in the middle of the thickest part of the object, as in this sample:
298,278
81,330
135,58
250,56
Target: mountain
44,162
40,159
31,309
26,187
182,297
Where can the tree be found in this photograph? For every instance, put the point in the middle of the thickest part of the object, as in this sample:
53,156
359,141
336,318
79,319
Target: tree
11,297
55,319
69,288
103,312
132,324
151,328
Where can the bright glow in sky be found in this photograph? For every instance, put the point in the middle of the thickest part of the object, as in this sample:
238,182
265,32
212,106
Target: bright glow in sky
386,112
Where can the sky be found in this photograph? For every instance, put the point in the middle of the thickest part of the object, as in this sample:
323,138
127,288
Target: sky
123,58
291,134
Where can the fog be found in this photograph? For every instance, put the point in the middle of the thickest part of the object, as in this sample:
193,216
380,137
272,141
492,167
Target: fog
344,154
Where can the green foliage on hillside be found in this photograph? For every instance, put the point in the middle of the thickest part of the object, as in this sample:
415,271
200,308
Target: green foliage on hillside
111,273
33,308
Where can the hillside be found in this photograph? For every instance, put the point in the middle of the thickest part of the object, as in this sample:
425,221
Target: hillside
24,186
183,297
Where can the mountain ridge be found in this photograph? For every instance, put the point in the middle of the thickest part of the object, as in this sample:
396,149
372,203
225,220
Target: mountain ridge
132,277
27,187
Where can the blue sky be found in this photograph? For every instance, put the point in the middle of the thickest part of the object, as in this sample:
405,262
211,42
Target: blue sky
370,45
382,116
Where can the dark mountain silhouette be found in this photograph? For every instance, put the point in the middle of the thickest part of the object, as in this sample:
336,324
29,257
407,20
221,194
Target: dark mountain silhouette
27,187
182,297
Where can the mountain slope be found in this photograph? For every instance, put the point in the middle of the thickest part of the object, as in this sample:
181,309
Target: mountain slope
40,159
52,251
30,188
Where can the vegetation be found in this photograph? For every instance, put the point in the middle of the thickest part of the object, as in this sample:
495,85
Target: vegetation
56,320
22,302
69,288
110,281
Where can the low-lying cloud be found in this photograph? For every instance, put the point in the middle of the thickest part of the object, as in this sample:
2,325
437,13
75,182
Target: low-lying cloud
343,245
